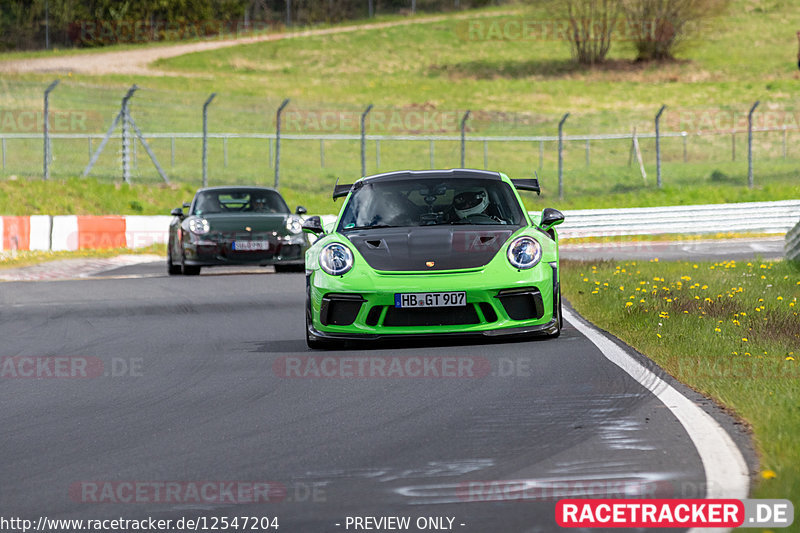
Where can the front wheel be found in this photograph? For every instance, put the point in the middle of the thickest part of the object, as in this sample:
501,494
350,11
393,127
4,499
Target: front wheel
557,314
316,343
189,270
172,269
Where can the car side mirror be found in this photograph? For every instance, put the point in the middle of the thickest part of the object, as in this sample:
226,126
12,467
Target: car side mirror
313,225
551,217
187,205
300,210
177,212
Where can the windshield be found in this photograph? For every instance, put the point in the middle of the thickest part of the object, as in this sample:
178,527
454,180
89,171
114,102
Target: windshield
217,201
431,201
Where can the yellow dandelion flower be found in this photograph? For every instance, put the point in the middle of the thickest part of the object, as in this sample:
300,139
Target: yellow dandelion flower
769,474
744,339
628,304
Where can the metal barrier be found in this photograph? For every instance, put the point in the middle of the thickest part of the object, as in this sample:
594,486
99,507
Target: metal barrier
792,246
42,232
755,217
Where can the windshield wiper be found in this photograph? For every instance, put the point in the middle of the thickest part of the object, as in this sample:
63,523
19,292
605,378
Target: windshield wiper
375,226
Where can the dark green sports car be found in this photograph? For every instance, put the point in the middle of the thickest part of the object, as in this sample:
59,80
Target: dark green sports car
236,226
439,252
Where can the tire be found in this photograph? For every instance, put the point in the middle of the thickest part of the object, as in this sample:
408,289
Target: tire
558,314
314,342
189,270
172,269
280,269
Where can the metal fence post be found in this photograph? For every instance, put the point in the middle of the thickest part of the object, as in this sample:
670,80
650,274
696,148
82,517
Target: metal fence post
588,163
685,154
371,9
46,129
126,135
322,153
463,136
378,154
205,138
172,152
541,155
561,155
485,154
750,144
278,140
658,145
430,150
364,140
784,141
89,141
225,152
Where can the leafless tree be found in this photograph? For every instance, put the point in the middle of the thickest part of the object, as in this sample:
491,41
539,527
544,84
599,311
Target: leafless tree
591,27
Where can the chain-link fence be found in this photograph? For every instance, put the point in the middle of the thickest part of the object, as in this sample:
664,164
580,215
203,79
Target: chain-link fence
597,153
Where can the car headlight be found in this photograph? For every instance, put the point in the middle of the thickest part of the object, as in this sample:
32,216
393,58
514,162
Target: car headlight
524,252
336,259
199,226
294,225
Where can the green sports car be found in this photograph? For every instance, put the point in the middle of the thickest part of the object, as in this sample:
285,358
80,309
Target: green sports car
432,253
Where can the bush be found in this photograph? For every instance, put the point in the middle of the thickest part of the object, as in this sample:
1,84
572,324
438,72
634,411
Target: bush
659,27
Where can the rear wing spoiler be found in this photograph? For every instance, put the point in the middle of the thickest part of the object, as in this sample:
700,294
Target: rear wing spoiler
527,184
340,191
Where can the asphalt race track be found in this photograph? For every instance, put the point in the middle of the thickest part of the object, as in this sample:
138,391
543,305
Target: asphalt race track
190,382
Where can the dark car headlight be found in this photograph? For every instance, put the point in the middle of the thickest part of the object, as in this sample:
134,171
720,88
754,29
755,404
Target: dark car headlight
524,252
294,225
336,259
199,226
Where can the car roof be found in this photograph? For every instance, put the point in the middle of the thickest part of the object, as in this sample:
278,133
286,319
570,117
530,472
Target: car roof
449,173
237,187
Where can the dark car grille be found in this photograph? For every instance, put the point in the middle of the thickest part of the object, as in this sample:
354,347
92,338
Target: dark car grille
431,316
522,304
340,309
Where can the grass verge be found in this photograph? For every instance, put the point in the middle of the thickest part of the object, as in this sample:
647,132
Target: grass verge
91,196
729,330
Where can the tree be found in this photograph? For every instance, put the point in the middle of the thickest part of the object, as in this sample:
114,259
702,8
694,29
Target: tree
591,25
658,27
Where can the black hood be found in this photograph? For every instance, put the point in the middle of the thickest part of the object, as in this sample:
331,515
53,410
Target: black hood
448,247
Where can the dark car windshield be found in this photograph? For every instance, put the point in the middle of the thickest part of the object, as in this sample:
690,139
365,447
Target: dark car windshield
431,201
219,201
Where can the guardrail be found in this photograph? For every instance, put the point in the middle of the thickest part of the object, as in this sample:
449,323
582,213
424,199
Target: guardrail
792,246
42,232
753,217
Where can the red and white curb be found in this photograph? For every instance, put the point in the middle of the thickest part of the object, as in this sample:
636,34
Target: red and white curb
75,232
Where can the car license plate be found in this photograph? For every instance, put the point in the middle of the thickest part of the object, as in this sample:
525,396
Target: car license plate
430,299
250,246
